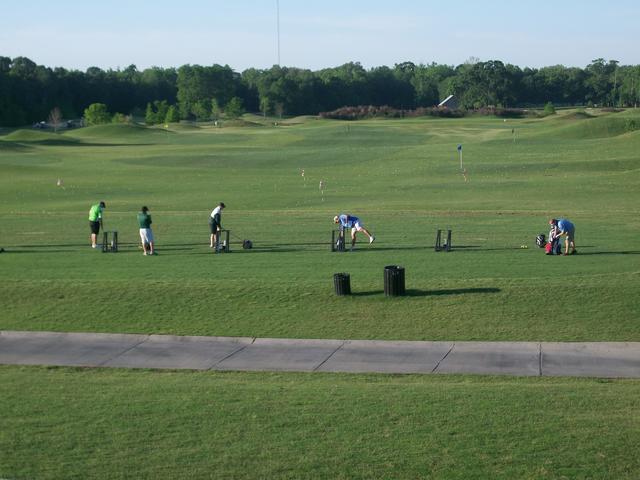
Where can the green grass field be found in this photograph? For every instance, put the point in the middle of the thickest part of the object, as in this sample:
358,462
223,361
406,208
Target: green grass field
402,177
83,423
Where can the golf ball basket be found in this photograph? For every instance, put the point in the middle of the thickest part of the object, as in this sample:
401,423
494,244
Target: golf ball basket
443,247
338,240
223,246
110,241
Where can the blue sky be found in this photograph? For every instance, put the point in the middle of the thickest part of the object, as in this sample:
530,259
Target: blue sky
317,34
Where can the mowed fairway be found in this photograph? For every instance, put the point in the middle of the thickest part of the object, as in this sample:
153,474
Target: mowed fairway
402,177
80,423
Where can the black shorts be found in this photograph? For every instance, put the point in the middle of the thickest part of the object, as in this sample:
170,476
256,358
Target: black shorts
95,227
214,227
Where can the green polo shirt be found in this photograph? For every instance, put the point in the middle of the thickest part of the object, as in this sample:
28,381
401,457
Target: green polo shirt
144,220
95,214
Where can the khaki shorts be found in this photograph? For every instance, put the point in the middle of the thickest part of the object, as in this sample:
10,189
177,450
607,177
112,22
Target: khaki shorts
571,234
146,235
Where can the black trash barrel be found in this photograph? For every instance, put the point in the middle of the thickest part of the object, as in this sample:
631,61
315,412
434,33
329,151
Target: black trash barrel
342,283
393,281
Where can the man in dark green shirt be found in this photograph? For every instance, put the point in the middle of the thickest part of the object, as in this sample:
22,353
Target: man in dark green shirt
146,235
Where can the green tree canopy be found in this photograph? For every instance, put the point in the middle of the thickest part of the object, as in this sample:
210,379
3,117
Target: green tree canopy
234,108
28,91
173,116
549,109
97,114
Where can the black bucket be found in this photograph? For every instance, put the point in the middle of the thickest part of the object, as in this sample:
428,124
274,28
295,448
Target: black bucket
342,283
394,281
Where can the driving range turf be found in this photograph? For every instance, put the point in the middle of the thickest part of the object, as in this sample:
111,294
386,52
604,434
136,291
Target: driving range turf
86,423
402,177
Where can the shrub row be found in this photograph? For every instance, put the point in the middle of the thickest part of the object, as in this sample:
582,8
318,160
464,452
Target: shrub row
371,111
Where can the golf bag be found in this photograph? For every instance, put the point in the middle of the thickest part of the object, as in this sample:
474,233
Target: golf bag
541,240
553,247
247,244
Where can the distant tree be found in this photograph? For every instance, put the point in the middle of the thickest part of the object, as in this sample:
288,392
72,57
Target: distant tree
5,64
201,84
154,83
234,108
156,112
55,118
173,116
279,109
23,67
278,86
161,107
426,84
119,118
265,105
600,81
150,117
29,91
96,114
630,86
549,109
391,87
485,84
201,109
215,109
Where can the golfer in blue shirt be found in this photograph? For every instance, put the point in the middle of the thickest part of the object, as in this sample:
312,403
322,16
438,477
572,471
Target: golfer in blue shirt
568,231
355,224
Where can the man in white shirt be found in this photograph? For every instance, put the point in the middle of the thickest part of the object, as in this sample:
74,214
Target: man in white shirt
215,223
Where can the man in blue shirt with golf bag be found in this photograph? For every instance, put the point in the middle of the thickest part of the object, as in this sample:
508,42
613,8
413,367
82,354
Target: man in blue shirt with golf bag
568,231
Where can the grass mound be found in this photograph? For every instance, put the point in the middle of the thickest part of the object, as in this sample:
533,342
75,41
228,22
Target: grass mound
116,131
580,115
300,119
255,118
605,126
34,136
8,146
183,126
241,123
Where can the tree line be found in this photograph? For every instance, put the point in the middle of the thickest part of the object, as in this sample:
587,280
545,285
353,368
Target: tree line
30,92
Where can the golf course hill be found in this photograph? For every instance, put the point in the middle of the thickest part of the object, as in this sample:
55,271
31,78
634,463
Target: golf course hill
117,132
579,125
25,136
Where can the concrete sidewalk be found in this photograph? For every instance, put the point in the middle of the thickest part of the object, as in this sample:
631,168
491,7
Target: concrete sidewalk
593,359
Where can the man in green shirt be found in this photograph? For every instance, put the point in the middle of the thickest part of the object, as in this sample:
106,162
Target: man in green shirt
146,235
95,221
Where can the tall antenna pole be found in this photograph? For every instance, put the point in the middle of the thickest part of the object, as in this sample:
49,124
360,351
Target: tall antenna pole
278,27
615,84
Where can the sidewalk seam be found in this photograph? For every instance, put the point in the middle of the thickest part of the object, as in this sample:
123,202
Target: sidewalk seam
102,364
443,358
330,355
540,359
215,364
